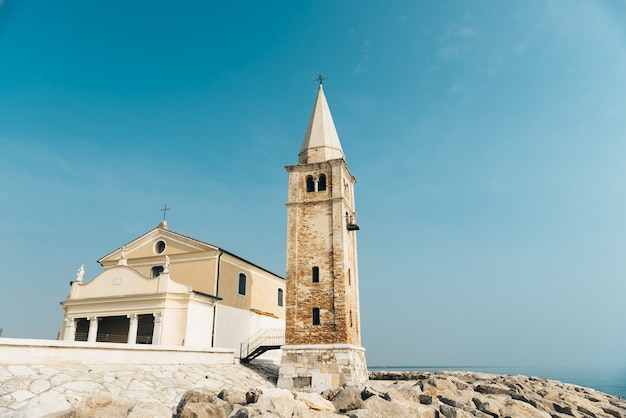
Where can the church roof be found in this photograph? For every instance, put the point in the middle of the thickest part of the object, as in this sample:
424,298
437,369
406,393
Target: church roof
321,142
162,231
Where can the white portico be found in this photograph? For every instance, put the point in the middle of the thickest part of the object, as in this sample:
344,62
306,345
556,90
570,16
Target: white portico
122,305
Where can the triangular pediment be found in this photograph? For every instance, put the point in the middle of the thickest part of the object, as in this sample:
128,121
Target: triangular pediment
156,243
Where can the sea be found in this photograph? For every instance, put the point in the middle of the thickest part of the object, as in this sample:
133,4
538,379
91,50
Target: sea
605,379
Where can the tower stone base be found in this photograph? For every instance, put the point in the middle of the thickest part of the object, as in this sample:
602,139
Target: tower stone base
321,366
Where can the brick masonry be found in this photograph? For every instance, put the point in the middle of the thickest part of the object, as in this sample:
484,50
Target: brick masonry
317,236
329,353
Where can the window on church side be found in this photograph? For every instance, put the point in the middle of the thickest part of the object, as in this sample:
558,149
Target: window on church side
310,184
156,271
242,284
316,316
349,276
350,318
316,274
321,183
280,297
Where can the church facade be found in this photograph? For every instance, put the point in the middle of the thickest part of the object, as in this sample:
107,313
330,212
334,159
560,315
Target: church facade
166,288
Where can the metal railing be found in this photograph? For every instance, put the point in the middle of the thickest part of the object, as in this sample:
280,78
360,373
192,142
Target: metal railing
261,341
114,338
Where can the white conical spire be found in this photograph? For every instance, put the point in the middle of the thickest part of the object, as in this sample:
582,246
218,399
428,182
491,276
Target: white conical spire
321,142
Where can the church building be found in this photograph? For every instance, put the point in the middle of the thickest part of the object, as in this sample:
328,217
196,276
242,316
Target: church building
170,289
166,288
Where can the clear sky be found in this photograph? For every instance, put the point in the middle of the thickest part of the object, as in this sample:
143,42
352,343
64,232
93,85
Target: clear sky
488,139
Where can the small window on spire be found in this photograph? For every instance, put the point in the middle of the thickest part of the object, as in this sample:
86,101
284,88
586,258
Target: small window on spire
310,184
321,185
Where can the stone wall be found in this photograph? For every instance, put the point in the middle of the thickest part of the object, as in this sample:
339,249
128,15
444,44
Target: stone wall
321,366
26,351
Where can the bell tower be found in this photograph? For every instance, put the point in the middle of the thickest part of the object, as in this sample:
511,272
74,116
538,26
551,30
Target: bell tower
322,337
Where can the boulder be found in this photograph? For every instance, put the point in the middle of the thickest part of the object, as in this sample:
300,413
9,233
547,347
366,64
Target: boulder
101,405
312,413
150,410
347,399
369,391
253,395
452,412
280,402
450,402
204,402
315,401
493,390
412,392
233,397
201,410
359,413
380,408
194,396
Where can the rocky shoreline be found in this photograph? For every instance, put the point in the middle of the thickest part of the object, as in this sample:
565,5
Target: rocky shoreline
388,394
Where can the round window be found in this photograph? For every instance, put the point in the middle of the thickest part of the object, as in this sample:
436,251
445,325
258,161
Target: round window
159,247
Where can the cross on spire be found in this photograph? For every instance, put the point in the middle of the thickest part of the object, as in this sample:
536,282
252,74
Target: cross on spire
165,209
320,78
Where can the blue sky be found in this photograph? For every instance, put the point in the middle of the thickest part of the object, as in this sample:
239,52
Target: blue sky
488,139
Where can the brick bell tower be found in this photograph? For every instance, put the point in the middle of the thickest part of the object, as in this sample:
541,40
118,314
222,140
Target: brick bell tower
323,340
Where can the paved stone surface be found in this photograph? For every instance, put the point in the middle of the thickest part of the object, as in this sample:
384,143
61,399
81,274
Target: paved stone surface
37,390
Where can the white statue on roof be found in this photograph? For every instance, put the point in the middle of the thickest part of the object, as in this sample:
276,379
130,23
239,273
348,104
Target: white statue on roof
167,265
80,273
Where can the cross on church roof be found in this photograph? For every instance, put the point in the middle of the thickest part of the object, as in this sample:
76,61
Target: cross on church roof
320,78
165,209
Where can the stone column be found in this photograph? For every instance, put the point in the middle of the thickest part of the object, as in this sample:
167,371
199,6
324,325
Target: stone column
156,332
93,329
70,329
132,328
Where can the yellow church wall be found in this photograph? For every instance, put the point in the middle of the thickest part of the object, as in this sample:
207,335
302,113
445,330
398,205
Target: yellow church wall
197,270
230,268
261,287
264,291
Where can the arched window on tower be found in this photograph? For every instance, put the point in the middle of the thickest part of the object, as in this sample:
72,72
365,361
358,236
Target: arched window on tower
310,184
321,183
316,274
280,297
316,316
242,284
